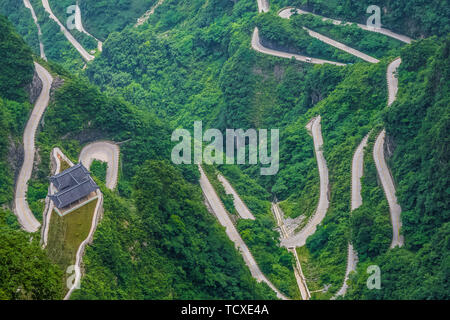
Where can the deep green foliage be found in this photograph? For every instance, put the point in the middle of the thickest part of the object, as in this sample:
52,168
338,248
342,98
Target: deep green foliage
57,47
16,62
227,199
79,109
100,18
26,272
168,247
98,169
23,22
371,43
281,34
16,74
419,124
408,275
370,223
415,18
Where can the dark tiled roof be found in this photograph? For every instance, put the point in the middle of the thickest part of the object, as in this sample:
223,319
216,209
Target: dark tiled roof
70,195
72,185
70,177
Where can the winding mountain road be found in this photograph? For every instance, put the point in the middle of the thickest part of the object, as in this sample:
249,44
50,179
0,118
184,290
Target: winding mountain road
357,173
382,167
288,11
86,56
216,205
105,151
263,5
240,206
108,152
299,239
26,218
256,45
33,14
357,166
80,27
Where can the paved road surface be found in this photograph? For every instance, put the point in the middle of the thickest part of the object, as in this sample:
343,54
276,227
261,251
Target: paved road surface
392,80
357,173
301,281
21,208
342,46
389,189
299,239
104,151
33,14
256,45
240,206
213,199
286,12
382,168
86,56
80,27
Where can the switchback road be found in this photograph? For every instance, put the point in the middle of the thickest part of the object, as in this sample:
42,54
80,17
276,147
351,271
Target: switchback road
86,56
21,208
216,205
105,151
357,173
299,239
240,206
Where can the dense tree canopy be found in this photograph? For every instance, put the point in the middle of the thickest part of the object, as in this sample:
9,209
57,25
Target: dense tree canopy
193,61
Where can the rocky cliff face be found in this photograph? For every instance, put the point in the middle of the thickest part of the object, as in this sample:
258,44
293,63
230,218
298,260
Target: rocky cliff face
389,146
34,88
57,83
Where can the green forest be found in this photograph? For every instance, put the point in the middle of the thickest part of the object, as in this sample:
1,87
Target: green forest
21,277
192,60
414,18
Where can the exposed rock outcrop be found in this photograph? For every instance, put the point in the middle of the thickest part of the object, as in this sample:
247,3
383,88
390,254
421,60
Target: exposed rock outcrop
34,88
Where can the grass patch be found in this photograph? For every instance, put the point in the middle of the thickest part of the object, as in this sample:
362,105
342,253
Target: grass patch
312,274
66,234
64,165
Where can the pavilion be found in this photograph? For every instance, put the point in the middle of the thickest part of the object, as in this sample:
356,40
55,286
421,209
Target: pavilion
75,188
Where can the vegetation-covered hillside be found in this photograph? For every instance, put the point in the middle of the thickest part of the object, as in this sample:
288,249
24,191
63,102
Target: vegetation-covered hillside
169,221
20,276
415,18
192,60
100,18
